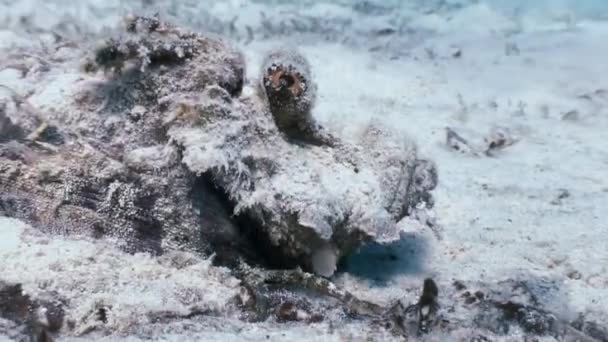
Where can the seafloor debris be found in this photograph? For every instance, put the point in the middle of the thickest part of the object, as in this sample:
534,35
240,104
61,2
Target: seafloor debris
498,139
427,305
457,143
561,195
572,115
511,49
36,319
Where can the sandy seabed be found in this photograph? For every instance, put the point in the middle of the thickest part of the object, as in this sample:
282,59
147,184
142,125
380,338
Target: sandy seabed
533,210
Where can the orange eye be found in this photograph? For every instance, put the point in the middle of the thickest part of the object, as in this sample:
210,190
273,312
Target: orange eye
280,79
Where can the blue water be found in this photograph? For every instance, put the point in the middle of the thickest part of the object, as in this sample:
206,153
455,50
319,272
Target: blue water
595,9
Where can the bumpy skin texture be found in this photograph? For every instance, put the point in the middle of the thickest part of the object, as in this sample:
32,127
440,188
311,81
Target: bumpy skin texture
288,87
66,192
170,110
115,173
303,197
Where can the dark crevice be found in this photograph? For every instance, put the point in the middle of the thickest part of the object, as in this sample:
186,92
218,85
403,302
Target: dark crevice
8,130
149,235
16,207
233,238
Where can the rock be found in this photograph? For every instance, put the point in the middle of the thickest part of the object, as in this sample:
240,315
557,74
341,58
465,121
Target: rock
531,319
498,139
572,115
457,143
574,274
592,329
562,194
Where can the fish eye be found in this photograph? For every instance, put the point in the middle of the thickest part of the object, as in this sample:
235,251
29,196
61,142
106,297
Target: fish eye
287,80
